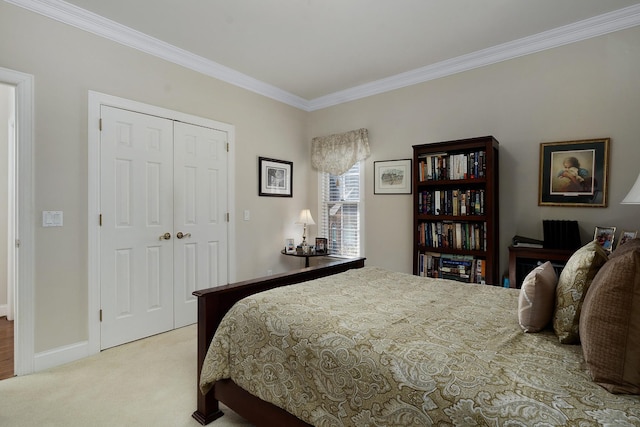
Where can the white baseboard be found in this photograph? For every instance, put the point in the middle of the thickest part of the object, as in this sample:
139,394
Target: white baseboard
61,355
4,310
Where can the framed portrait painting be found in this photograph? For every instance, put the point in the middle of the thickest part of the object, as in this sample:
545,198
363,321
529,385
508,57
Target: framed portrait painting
392,177
574,173
275,177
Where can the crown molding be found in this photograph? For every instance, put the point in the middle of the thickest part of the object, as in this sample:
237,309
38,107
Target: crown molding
593,27
88,21
80,18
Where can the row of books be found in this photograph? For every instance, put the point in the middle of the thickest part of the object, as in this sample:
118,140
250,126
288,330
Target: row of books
438,166
451,202
454,235
463,268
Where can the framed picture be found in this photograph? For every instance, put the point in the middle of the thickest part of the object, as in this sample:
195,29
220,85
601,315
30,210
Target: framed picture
574,173
627,235
275,177
392,177
289,246
604,236
321,245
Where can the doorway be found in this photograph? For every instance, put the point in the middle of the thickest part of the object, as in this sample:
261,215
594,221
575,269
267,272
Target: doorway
16,235
7,142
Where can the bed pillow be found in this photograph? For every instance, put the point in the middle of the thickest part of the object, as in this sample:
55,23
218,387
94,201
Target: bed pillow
573,283
610,324
537,298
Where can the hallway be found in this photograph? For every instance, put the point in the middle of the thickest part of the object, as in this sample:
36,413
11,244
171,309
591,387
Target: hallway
6,348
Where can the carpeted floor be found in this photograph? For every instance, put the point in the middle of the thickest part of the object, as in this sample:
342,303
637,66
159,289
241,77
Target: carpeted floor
151,382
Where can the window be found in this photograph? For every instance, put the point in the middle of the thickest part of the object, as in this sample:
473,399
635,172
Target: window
341,211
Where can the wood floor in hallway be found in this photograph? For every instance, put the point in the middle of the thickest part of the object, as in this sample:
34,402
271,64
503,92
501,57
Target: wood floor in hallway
6,348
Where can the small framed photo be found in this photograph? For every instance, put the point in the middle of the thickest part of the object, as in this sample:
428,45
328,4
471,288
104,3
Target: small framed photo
627,235
392,177
574,173
275,177
321,245
605,236
289,246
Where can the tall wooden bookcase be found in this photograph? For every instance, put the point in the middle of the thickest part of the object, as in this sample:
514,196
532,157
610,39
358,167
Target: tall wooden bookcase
455,210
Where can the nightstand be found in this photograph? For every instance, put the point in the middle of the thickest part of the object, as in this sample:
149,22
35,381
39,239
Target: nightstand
523,260
305,256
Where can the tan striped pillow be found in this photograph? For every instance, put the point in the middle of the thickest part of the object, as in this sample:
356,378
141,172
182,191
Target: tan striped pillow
610,324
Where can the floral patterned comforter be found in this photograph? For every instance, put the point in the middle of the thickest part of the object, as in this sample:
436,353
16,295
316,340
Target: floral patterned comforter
370,347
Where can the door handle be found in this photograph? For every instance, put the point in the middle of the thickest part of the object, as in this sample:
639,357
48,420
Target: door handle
180,235
165,236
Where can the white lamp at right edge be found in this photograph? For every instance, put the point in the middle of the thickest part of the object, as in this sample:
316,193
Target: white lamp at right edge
633,197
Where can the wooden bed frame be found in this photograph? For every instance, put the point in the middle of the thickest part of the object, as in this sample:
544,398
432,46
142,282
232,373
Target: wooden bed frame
213,304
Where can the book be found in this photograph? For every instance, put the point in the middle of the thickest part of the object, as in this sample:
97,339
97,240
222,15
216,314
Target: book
480,271
526,242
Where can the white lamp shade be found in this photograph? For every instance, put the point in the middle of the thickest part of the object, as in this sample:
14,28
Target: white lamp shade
633,197
305,217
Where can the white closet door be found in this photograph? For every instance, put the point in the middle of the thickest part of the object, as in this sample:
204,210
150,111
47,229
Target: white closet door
136,267
200,225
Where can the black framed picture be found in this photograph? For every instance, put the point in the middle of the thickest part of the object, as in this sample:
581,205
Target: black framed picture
574,173
275,177
321,245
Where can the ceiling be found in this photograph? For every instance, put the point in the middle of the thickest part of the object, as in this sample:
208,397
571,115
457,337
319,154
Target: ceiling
316,52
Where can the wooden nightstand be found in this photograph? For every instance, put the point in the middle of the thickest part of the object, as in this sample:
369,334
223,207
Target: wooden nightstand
523,260
305,256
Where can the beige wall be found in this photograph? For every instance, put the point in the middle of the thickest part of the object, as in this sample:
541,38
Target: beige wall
585,90
66,64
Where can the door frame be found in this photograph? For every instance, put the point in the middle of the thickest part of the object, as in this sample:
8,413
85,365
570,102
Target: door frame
22,253
96,100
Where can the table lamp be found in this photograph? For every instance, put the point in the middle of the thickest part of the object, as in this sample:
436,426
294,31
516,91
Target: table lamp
305,219
633,197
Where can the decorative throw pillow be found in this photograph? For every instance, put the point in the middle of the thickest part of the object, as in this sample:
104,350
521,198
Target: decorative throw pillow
573,283
610,324
537,297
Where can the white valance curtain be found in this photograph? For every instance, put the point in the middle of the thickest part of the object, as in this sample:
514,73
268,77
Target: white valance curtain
337,153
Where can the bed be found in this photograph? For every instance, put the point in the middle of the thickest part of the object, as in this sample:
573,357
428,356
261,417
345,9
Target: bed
352,345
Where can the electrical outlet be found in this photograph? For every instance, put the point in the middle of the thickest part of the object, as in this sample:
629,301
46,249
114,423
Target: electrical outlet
269,272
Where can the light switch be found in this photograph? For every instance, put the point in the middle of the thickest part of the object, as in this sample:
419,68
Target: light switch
247,215
52,218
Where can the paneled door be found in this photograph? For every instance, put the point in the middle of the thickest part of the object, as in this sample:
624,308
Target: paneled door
200,244
163,233
136,206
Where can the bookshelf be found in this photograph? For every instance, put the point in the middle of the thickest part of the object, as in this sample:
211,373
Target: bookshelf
455,210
